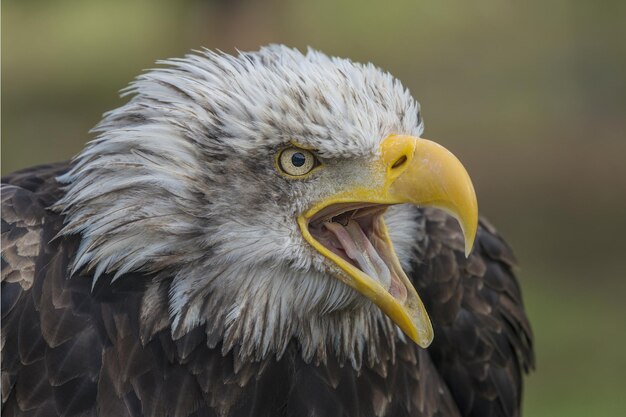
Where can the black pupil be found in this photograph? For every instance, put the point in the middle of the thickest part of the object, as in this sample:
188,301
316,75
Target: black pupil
297,159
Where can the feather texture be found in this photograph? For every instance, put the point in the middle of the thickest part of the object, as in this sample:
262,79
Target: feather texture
483,341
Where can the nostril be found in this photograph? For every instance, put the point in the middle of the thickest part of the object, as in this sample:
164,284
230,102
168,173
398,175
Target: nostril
401,161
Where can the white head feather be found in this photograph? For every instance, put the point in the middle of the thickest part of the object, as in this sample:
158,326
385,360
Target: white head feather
181,183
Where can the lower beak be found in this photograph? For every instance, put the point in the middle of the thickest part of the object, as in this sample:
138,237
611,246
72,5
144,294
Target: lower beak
409,170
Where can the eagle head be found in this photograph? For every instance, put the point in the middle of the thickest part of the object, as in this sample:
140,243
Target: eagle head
269,197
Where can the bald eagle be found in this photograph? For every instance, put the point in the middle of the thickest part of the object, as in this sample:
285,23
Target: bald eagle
258,235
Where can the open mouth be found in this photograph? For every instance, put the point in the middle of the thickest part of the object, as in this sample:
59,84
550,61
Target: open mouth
348,229
357,234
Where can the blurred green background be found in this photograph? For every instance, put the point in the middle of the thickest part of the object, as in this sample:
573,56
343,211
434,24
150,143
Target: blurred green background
530,95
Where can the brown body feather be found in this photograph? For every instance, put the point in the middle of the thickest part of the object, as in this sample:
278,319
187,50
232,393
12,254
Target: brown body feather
70,350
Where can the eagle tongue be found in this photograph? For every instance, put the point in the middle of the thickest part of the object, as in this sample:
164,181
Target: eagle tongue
359,248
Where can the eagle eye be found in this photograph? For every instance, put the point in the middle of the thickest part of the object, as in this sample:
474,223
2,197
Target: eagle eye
297,162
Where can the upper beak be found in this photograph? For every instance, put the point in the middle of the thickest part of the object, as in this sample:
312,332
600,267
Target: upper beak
409,170
430,176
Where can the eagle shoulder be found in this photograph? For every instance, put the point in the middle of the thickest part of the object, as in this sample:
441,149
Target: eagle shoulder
42,331
483,340
22,219
24,197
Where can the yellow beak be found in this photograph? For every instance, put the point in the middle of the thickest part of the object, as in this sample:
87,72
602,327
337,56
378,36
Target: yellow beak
409,170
